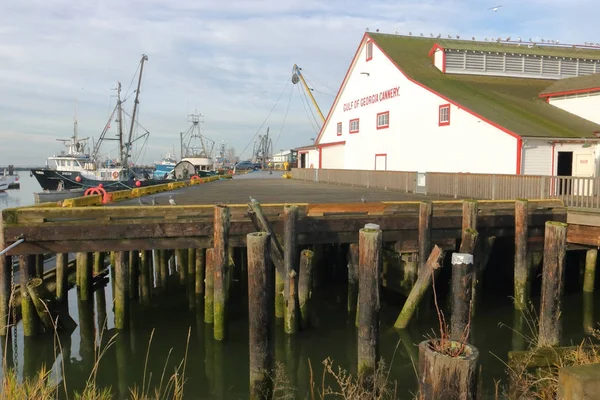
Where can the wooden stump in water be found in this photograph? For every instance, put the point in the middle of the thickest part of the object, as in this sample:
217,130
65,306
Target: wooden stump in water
305,287
446,377
352,277
221,264
462,277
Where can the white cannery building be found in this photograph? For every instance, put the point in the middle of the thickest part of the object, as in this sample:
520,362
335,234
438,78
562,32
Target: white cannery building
430,105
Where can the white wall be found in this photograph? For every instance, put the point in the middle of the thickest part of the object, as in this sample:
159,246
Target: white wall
333,157
438,59
576,149
585,105
413,141
312,158
537,157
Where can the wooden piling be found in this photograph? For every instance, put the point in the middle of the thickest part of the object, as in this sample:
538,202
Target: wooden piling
200,265
462,277
290,264
421,285
6,272
209,280
221,264
305,287
134,274
163,268
591,257
120,295
181,256
352,277
425,217
62,277
369,282
552,283
30,319
521,280
98,262
84,276
191,278
145,278
260,306
39,265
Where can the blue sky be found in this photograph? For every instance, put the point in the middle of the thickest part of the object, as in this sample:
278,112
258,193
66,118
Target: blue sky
229,59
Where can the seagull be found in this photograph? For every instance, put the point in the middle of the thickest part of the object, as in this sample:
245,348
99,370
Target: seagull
363,199
154,202
172,201
495,8
141,202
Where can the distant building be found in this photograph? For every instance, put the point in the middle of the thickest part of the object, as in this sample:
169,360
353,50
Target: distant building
282,157
420,104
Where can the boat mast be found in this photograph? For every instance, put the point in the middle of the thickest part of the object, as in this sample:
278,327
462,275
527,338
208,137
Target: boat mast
120,117
135,105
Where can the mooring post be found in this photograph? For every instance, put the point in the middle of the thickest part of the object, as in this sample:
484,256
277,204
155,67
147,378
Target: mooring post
305,287
421,285
181,256
260,305
590,270
145,281
120,294
62,277
200,265
84,276
39,265
521,291
134,268
290,264
425,216
221,264
98,262
462,286
209,311
31,322
369,282
5,288
352,277
555,249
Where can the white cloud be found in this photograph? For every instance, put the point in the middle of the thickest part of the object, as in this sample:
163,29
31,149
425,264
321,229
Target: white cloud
228,59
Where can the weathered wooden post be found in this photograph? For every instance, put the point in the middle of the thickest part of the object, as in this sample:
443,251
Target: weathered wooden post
163,268
352,277
369,282
39,265
209,311
5,288
555,241
425,217
290,264
200,265
102,318
181,262
62,277
588,313
31,322
591,257
84,276
462,286
260,306
98,262
521,291
418,291
134,268
120,293
221,264
145,280
305,286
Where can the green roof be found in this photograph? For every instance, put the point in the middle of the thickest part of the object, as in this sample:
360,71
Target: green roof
577,84
521,48
512,103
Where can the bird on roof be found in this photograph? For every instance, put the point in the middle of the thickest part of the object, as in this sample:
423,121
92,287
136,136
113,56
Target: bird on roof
172,201
495,8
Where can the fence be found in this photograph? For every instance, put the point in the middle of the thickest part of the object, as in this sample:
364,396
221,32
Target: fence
573,191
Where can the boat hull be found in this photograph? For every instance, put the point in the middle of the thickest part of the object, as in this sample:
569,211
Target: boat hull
50,180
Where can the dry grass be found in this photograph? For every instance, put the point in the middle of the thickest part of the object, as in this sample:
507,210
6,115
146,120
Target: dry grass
37,388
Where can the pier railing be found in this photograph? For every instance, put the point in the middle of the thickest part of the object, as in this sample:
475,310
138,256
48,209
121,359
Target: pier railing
573,191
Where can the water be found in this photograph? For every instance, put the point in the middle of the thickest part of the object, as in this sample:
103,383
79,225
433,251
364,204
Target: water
24,195
214,370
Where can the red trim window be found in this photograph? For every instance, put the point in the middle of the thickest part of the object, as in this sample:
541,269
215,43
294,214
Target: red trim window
444,115
369,50
383,120
339,129
353,125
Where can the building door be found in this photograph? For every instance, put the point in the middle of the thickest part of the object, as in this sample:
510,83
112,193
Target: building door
302,160
583,164
380,162
564,167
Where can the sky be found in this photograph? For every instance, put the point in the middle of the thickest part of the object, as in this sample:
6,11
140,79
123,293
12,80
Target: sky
229,60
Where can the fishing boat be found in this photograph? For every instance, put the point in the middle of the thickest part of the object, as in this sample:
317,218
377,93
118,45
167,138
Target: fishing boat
80,167
4,183
196,152
164,167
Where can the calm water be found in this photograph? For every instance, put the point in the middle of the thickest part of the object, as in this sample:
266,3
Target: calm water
215,370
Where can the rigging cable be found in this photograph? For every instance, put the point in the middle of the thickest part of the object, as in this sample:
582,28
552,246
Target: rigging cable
302,100
284,118
267,117
310,111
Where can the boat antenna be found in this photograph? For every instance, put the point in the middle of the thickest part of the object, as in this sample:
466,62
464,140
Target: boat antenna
135,105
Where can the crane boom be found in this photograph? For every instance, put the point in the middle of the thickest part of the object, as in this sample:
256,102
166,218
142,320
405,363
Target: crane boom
297,77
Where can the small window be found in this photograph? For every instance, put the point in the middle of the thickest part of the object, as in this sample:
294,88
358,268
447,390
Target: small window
354,125
339,129
444,115
383,120
369,50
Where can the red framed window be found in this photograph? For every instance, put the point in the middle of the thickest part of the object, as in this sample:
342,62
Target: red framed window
383,120
339,129
353,125
369,50
444,115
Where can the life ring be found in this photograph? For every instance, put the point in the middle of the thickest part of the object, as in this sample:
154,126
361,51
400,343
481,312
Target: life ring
195,178
115,174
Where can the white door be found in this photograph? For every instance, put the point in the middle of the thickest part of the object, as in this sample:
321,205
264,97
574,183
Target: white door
583,164
380,162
